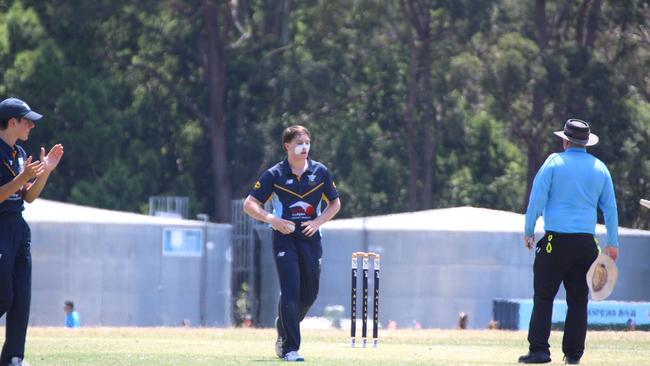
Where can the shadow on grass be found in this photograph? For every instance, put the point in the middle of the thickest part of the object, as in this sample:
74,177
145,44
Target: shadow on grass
268,360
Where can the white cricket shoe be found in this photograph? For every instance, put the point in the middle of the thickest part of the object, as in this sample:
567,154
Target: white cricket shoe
293,356
17,361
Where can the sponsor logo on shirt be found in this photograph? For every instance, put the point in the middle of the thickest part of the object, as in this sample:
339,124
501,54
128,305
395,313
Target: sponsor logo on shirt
302,209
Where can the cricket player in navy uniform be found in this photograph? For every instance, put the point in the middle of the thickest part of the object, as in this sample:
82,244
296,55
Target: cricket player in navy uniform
22,179
568,189
304,197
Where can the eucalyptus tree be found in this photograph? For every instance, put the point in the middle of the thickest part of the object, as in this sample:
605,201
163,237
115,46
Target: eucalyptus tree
548,61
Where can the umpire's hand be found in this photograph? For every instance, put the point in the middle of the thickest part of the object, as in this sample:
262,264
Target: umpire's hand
612,252
529,241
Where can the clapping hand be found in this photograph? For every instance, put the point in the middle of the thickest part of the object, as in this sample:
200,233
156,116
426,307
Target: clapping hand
53,157
33,170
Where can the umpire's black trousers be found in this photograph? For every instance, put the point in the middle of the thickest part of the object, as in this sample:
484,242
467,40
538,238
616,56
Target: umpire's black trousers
561,258
15,283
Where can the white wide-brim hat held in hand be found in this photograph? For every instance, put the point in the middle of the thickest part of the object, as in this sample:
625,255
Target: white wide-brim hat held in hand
601,277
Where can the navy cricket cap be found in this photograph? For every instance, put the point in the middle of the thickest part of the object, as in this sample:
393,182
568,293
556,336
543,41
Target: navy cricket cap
14,107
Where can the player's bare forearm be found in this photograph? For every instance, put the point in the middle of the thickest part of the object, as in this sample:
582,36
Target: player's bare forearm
31,169
12,187
309,228
254,209
332,209
33,191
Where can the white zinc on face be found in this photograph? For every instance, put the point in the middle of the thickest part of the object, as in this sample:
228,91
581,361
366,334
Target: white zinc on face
302,148
302,144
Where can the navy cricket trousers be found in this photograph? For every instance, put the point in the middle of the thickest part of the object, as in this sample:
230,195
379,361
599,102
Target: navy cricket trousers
298,264
15,283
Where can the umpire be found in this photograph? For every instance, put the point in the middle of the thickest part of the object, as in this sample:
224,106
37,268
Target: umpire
567,191
21,179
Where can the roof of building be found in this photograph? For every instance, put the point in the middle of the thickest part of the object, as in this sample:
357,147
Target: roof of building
42,210
453,219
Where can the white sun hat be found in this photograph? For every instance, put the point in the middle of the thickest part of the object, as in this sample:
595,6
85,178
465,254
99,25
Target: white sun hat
601,277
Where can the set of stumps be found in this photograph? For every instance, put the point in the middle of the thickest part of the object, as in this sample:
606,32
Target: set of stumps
366,257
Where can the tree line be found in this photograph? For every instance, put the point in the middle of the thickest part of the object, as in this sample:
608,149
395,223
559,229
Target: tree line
413,104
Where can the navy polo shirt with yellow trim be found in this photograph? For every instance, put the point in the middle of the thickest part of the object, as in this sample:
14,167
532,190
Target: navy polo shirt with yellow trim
296,198
13,163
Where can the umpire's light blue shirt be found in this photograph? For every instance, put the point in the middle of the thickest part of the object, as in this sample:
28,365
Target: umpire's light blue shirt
567,191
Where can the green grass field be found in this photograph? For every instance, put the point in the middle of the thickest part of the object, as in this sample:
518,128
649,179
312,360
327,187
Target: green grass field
214,346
